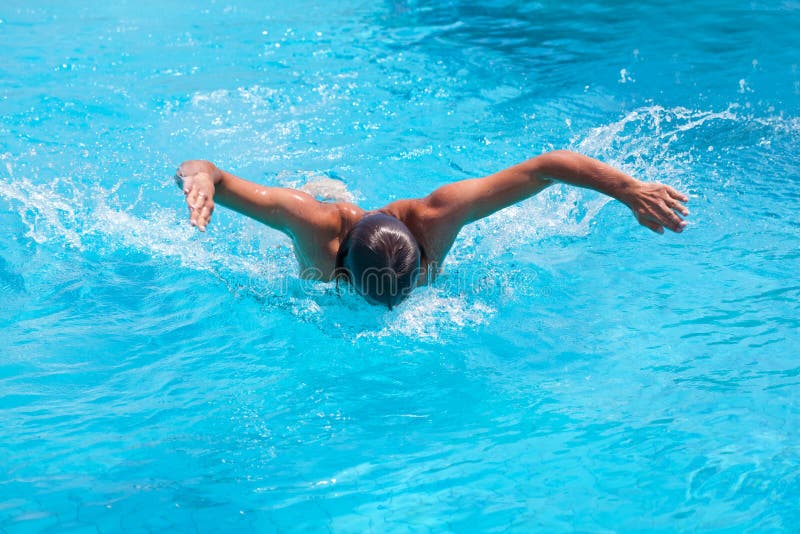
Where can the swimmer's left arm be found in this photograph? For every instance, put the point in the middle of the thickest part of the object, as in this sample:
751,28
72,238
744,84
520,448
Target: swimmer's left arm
655,205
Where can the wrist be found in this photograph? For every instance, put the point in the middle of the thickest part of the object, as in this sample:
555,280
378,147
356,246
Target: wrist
628,190
197,167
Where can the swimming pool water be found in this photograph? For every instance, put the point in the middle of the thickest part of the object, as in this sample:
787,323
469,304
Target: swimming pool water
571,371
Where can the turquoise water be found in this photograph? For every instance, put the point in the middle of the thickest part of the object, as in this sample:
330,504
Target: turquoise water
572,371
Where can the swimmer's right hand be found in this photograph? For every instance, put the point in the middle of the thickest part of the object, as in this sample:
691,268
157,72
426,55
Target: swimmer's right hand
197,179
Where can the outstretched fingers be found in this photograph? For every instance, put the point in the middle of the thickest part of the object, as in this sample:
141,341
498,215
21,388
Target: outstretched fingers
204,216
198,189
191,197
677,195
670,219
658,206
200,211
192,194
677,206
654,226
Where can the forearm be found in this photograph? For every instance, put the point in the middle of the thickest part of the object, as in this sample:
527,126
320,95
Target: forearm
288,210
268,205
655,205
582,171
248,198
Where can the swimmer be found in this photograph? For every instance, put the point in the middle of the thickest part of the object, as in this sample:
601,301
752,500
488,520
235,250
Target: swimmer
385,253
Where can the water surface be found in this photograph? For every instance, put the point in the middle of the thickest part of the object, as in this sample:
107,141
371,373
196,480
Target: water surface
572,371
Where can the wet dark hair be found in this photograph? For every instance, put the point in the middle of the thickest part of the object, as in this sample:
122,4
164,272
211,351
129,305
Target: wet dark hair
380,258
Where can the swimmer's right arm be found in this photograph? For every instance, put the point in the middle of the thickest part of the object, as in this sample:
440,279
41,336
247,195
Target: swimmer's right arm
288,210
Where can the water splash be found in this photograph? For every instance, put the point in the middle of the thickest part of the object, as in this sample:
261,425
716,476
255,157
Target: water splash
46,213
650,142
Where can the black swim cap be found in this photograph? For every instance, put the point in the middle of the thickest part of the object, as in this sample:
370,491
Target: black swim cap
380,258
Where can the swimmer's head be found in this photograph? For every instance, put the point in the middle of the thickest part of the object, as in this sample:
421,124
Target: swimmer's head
380,258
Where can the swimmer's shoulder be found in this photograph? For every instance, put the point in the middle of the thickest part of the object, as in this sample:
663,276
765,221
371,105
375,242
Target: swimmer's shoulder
346,216
421,219
409,210
418,212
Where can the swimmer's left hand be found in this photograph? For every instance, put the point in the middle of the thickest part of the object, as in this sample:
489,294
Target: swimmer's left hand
657,206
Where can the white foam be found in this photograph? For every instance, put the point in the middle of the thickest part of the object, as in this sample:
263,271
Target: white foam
643,142
46,213
430,313
329,189
93,218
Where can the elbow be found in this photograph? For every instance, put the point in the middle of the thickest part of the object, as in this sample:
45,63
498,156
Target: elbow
554,157
551,165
